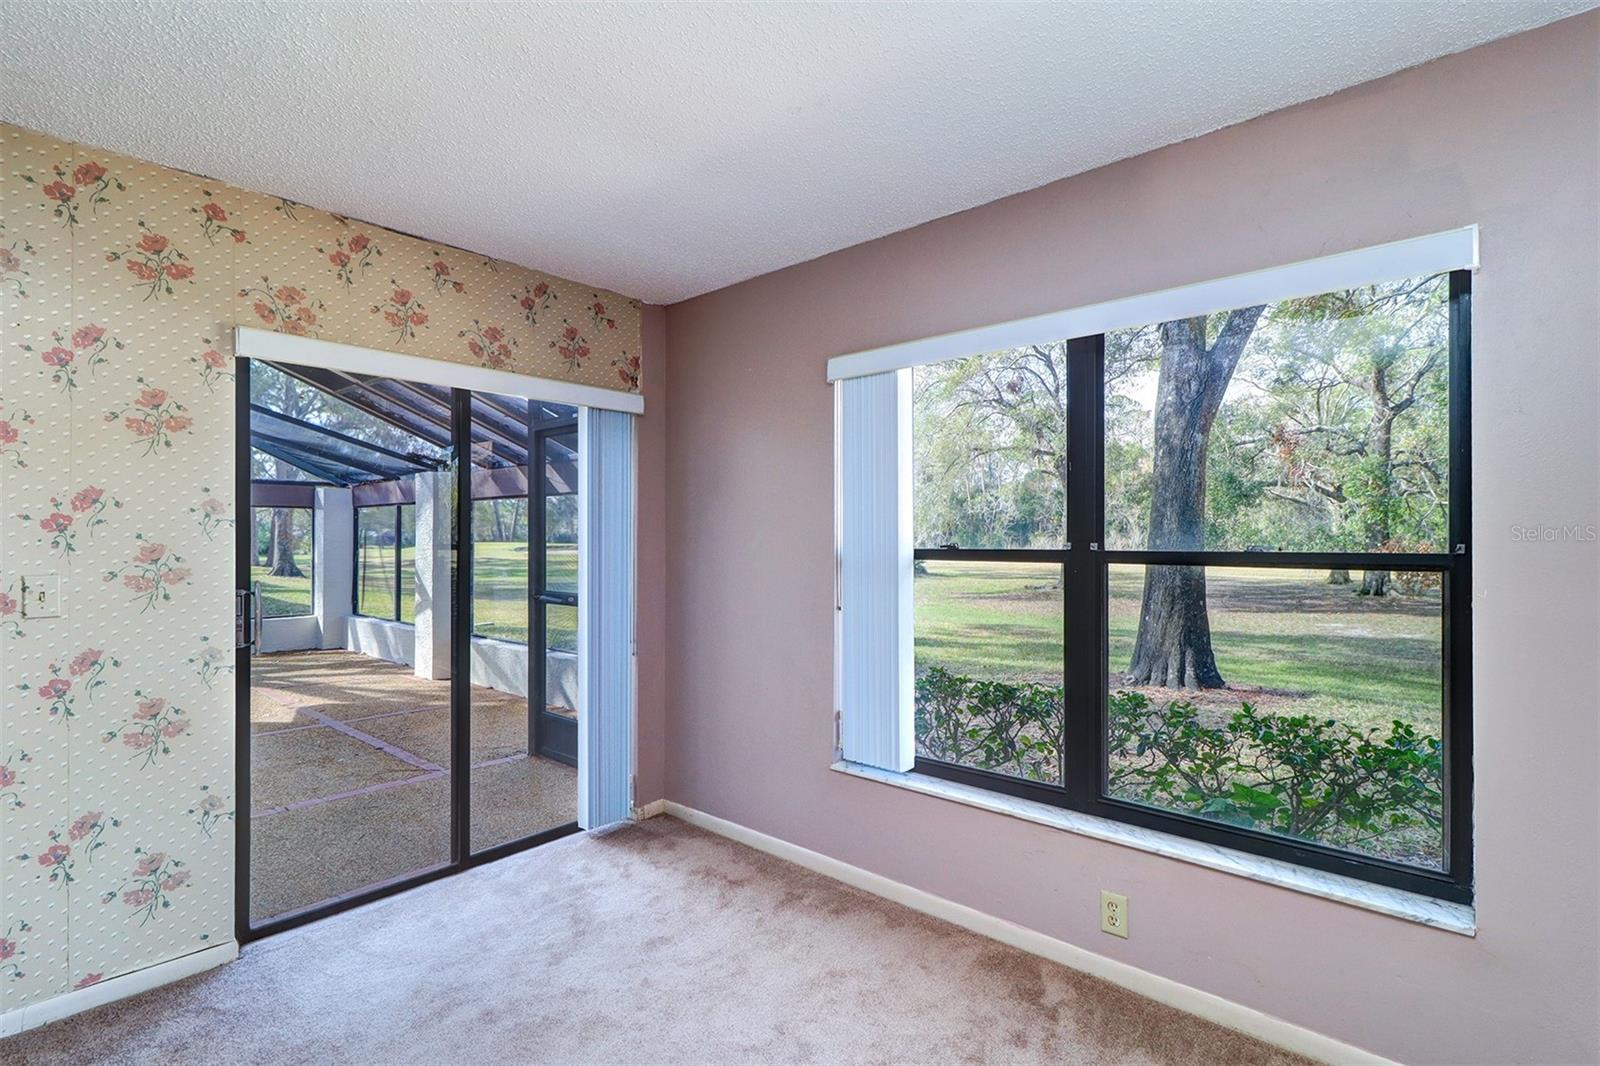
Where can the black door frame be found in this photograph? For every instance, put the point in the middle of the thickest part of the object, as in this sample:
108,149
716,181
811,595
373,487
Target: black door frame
462,856
551,735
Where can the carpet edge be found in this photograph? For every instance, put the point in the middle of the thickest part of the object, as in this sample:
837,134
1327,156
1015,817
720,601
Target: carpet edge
1207,1005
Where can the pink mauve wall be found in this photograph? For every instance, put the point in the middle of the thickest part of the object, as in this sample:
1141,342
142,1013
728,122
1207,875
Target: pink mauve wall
651,637
1504,136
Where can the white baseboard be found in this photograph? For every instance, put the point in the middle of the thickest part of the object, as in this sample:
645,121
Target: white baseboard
1212,1008
81,999
650,810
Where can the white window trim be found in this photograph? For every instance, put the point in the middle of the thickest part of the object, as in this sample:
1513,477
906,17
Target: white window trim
1461,918
1455,249
886,761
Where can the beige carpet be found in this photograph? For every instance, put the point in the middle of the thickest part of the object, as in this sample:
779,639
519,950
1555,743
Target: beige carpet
349,784
654,943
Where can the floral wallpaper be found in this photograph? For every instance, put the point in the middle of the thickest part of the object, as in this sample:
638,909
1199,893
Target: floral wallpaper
120,282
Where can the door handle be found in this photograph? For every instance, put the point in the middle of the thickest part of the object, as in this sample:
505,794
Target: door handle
256,616
242,621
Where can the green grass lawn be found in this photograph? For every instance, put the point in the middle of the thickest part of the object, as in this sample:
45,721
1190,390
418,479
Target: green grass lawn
283,596
1284,639
500,589
500,592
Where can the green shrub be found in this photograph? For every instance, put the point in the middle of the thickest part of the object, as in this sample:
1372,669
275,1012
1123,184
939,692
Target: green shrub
1015,729
1313,778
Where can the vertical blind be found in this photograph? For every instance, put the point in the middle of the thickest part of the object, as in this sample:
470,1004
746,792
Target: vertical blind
876,724
607,687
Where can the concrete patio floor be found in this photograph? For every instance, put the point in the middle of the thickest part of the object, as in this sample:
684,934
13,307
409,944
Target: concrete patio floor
350,783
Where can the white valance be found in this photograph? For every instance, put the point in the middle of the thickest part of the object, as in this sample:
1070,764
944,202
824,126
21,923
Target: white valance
1455,249
252,343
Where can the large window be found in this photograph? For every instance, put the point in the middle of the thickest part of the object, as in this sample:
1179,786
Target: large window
1211,576
282,562
385,566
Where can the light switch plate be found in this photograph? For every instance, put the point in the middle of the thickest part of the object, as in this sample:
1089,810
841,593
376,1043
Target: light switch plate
41,595
1114,914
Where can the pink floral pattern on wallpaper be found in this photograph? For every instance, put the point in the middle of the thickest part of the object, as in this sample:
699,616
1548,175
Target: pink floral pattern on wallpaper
153,417
152,573
84,349
88,183
215,368
351,256
403,311
572,346
11,782
597,313
214,222
627,368
285,308
535,300
89,667
211,513
82,512
439,273
16,253
12,444
149,886
155,263
210,811
150,729
58,860
489,345
11,951
210,662
85,674
10,612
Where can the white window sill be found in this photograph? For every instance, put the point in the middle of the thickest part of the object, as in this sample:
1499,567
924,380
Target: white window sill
1397,903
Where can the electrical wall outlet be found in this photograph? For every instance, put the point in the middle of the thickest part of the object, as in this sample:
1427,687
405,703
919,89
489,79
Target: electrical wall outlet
1113,914
41,595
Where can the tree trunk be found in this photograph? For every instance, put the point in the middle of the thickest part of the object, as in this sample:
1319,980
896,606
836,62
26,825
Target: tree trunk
283,564
1375,583
1173,646
1338,577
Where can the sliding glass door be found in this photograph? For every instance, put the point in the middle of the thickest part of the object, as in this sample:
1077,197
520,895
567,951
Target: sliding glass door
524,630
406,694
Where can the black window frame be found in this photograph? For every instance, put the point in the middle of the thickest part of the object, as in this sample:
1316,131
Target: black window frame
1086,566
547,736
355,561
311,510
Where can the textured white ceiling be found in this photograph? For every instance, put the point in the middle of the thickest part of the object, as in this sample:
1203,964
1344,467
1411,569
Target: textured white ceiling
663,150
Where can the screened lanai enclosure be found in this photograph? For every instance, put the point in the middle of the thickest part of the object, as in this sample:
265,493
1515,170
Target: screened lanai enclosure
371,607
